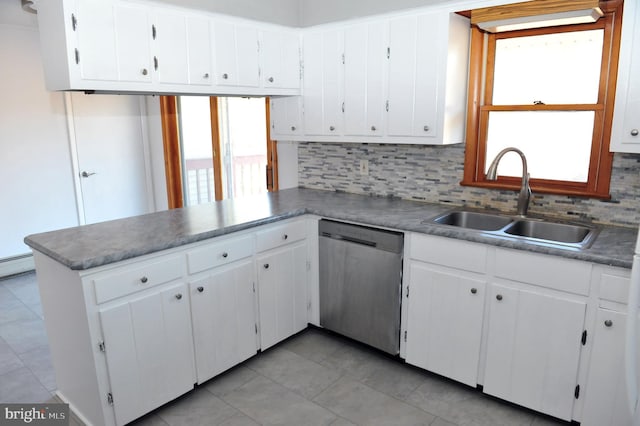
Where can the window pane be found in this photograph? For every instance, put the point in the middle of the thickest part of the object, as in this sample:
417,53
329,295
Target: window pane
197,149
561,68
243,140
557,144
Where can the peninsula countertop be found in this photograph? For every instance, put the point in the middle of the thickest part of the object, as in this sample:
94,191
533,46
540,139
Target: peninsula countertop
89,246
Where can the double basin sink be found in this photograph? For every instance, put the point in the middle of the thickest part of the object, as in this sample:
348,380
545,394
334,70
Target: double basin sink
533,230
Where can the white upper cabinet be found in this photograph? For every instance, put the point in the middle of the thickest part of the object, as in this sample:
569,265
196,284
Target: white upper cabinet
236,54
323,69
625,134
365,51
199,50
169,34
133,38
280,58
96,49
286,117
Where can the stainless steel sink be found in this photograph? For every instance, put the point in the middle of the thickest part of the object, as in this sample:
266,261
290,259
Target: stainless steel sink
473,220
533,230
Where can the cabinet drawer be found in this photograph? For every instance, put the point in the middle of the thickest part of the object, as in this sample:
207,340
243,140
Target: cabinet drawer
553,272
219,253
449,252
133,278
280,235
614,285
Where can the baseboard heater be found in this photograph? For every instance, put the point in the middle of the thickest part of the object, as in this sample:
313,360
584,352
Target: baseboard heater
16,265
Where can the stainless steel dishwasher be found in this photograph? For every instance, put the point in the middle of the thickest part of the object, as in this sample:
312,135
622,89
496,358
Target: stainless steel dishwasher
361,283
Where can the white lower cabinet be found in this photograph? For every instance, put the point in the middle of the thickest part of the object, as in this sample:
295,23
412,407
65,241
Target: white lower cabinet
148,349
224,319
606,395
282,284
445,322
533,349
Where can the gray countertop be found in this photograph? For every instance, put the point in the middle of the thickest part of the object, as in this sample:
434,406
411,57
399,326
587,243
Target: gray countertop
99,244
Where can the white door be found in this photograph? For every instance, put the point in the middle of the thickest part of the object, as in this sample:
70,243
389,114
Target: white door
169,35
444,326
282,284
533,349
224,319
149,352
109,144
364,73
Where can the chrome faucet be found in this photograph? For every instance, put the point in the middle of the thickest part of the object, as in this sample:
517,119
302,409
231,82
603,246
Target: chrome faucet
525,189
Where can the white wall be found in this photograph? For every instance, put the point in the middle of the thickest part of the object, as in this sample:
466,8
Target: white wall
36,180
287,165
156,150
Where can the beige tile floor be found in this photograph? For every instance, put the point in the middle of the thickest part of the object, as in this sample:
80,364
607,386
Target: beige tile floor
314,378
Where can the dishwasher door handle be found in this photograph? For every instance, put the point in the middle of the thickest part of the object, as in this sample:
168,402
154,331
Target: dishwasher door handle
349,239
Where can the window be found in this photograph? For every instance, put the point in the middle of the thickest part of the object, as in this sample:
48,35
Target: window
548,92
216,148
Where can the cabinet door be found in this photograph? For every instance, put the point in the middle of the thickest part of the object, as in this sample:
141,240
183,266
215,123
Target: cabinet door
286,116
199,50
169,33
248,56
323,102
280,58
626,123
95,27
224,48
282,284
224,320
444,326
413,75
133,35
605,391
364,73
236,54
149,352
533,349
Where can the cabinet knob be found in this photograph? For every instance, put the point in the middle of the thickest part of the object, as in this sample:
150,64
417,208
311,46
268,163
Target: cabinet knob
270,79
200,289
206,75
634,132
178,296
285,236
373,128
225,254
499,297
144,280
474,290
608,323
265,266
145,71
225,76
332,128
293,128
426,128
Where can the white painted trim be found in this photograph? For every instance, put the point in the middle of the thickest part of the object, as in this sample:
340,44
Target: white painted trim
16,265
73,411
144,127
75,165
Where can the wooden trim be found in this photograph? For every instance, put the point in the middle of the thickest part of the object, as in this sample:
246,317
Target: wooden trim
272,151
216,149
172,155
551,107
530,9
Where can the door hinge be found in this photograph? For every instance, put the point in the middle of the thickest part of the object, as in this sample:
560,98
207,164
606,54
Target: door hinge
256,327
584,338
77,54
405,335
387,106
110,398
407,291
343,59
388,52
101,346
154,32
308,305
308,265
576,393
74,22
254,286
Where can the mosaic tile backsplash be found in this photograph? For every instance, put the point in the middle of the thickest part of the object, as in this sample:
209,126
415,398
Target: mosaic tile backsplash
433,173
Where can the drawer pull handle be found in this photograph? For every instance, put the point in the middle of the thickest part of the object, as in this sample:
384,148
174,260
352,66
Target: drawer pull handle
608,323
144,280
266,266
474,290
178,296
285,236
225,254
499,297
200,289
